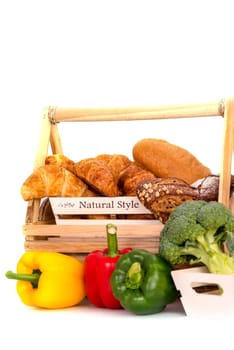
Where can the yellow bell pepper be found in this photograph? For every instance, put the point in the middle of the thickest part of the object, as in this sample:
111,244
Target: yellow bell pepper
49,280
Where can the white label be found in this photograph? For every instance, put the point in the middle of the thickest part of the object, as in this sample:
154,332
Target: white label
97,205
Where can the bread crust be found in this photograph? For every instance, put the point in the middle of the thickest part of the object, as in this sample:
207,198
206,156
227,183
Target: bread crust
165,159
101,173
115,162
61,160
162,196
52,181
96,174
130,178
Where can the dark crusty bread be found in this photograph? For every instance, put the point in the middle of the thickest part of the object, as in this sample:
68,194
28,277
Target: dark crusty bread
161,196
167,160
208,187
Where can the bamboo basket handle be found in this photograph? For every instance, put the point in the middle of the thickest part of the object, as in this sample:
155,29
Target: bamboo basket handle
44,139
227,149
55,141
41,153
139,113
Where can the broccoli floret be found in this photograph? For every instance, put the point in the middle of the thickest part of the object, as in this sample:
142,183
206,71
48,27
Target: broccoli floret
195,233
188,209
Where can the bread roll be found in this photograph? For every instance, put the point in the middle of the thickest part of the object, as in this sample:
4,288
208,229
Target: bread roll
52,181
167,160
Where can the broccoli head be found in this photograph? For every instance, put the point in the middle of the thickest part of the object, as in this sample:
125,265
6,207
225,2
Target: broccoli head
196,232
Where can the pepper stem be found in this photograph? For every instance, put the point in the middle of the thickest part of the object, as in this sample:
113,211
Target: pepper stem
33,277
112,243
134,276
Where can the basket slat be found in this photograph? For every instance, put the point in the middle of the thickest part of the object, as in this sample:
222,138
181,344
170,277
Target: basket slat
89,237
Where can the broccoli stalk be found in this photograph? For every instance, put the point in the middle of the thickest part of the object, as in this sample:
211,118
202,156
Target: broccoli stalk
195,233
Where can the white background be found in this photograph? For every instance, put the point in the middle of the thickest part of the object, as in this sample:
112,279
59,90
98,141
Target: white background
104,53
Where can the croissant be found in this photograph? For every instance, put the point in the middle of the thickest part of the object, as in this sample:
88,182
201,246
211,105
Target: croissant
60,159
131,176
96,174
115,162
52,181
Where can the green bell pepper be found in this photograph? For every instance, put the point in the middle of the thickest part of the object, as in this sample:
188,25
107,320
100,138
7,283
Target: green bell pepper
142,282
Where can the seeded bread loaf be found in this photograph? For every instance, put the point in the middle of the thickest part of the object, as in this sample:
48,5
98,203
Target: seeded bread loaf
161,196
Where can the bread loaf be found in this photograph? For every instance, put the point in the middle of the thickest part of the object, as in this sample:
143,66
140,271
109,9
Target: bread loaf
52,181
167,160
161,196
208,187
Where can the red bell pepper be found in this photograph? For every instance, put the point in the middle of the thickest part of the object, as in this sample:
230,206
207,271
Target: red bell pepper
98,268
